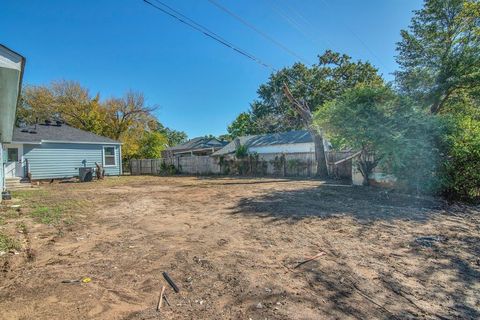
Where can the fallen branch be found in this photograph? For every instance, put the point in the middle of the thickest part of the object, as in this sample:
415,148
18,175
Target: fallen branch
347,158
310,259
166,300
160,299
170,282
71,281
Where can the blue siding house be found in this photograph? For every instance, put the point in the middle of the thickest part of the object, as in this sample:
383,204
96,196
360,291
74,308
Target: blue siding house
57,151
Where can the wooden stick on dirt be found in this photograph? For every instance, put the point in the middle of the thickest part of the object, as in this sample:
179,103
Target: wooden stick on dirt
310,259
166,300
170,282
160,299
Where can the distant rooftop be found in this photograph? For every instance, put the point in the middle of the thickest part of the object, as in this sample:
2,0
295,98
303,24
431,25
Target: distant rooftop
290,137
53,132
198,143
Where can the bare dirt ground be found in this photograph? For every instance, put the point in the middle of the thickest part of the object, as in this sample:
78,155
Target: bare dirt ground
231,245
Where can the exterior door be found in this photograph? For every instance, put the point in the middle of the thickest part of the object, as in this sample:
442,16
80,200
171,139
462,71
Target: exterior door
13,166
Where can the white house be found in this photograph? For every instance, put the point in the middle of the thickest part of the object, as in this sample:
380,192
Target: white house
290,142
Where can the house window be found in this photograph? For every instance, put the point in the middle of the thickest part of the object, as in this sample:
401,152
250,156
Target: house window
109,159
12,154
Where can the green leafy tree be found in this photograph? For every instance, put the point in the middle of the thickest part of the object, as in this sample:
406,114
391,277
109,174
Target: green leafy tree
241,126
127,119
225,137
63,100
439,58
174,137
241,151
362,118
385,129
462,170
278,110
324,81
152,144
439,55
127,112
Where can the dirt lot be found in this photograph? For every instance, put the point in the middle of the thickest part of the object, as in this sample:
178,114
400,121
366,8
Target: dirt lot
232,245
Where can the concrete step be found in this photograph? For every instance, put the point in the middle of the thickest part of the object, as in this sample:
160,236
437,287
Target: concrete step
17,183
13,188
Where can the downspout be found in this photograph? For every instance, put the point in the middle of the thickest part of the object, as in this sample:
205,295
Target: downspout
4,181
121,159
4,187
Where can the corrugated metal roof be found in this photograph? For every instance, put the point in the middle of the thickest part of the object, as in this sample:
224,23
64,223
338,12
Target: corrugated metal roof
290,137
64,133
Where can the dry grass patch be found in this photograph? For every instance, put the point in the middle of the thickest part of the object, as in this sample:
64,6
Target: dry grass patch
7,243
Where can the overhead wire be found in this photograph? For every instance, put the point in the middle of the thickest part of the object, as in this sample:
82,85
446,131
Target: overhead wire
198,27
164,8
257,30
296,25
358,38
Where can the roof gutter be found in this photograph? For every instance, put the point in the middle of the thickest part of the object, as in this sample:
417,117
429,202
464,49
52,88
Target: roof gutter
61,141
79,142
193,150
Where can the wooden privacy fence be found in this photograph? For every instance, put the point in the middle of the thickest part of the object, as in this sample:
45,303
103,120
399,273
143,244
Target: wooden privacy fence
342,170
198,165
190,165
293,165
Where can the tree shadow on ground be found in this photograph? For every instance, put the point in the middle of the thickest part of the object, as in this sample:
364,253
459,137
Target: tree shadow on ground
455,261
437,280
239,180
361,203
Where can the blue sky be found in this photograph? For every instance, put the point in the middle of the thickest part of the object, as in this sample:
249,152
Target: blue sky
199,86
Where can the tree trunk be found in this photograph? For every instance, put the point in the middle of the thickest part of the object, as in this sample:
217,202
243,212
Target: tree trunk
363,166
302,108
322,170
439,102
366,164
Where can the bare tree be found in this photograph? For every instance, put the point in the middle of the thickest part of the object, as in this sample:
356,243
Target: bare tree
127,111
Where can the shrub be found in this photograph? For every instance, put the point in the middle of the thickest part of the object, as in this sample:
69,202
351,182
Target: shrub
241,151
416,158
461,170
168,169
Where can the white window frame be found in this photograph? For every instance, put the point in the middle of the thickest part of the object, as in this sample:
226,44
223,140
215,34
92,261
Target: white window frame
114,156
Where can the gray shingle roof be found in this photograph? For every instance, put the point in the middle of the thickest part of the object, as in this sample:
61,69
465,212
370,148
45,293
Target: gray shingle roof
53,132
290,137
198,143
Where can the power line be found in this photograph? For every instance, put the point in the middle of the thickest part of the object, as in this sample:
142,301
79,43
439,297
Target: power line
306,22
358,38
260,32
294,24
198,27
162,7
